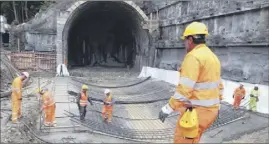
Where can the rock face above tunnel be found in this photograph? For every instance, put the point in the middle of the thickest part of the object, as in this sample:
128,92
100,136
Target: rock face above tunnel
239,34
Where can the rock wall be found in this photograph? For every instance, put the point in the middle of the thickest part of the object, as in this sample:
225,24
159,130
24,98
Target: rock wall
239,35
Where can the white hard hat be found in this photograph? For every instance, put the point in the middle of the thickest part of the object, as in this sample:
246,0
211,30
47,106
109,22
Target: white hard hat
25,74
107,91
256,85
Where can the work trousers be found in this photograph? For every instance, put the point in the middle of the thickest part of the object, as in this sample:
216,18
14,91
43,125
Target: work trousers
253,104
16,110
50,115
237,101
82,112
107,113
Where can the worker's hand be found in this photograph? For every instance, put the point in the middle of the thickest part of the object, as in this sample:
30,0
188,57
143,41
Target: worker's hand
166,110
162,116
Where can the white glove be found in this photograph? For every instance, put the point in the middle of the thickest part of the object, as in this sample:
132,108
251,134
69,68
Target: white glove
167,109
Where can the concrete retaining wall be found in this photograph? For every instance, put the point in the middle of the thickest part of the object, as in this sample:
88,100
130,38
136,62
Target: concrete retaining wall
238,35
229,86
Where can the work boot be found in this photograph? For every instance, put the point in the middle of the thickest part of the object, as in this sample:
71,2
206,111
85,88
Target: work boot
105,119
15,122
46,124
20,117
82,118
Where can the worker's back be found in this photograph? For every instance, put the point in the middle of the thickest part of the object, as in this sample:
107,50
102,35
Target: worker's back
209,71
47,99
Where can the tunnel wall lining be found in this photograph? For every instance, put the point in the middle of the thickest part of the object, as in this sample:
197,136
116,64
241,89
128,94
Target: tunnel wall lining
63,23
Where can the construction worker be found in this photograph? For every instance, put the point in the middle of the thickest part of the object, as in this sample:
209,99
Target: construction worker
16,96
197,93
107,106
254,98
82,101
238,95
48,106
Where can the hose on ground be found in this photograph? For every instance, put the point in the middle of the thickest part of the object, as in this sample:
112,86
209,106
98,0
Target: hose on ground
101,86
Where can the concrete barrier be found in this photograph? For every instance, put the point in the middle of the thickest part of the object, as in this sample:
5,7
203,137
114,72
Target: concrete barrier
229,87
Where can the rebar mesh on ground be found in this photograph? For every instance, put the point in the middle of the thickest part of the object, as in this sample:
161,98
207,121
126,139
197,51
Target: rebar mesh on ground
148,128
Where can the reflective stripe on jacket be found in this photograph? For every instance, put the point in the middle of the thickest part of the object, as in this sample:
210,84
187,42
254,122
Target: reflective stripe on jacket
199,79
83,99
47,99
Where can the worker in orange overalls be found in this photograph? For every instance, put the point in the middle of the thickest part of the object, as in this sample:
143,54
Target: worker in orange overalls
107,106
197,93
16,96
239,94
48,106
82,101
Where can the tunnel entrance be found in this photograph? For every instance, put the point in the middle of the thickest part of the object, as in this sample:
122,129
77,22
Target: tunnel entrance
104,34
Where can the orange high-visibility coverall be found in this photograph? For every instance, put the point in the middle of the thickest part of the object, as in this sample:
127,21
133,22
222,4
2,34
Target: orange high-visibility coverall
107,109
238,95
49,108
16,98
199,84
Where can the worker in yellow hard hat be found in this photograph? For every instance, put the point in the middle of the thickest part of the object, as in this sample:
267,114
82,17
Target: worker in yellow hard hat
82,101
197,93
48,106
16,96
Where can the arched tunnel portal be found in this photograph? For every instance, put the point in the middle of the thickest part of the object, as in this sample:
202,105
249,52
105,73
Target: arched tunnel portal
105,33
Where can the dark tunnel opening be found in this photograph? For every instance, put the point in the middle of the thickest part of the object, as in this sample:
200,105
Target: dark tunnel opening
103,34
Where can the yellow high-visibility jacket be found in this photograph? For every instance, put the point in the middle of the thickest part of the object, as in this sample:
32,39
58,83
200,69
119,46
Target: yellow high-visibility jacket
16,89
255,93
199,81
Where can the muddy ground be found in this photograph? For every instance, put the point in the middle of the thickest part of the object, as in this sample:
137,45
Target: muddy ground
19,133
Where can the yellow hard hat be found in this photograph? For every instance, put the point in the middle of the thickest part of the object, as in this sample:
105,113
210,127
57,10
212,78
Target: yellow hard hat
189,124
195,28
41,90
85,87
38,90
